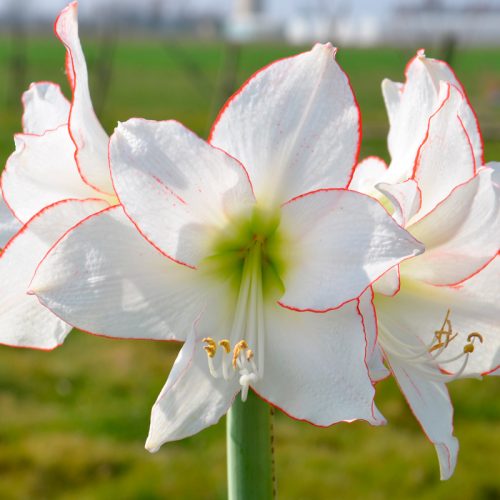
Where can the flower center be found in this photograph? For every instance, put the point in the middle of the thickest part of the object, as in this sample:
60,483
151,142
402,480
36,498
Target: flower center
431,356
247,254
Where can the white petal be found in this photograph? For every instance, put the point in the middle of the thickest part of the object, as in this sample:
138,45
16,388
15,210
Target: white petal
340,242
294,125
42,171
175,186
410,108
495,165
418,310
90,138
446,158
191,400
24,322
388,283
392,93
105,278
419,99
440,71
315,367
405,197
9,225
461,235
45,108
374,357
368,173
432,407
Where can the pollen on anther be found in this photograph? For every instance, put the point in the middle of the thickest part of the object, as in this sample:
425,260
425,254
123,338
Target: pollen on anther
211,347
240,346
475,335
226,345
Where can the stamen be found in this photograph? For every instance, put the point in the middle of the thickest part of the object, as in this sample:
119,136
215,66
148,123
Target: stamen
248,326
429,360
238,348
224,343
445,330
211,347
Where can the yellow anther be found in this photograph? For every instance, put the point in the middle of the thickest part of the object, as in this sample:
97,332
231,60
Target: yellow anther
210,351
475,335
240,346
211,347
446,332
210,341
249,354
468,348
224,343
437,346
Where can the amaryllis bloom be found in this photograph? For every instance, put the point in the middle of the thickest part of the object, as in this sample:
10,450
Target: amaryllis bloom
438,313
257,257
57,176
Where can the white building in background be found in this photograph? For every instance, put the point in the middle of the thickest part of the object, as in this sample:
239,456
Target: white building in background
248,21
342,30
433,21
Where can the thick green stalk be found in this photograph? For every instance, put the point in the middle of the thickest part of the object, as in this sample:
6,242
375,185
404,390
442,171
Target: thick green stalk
249,450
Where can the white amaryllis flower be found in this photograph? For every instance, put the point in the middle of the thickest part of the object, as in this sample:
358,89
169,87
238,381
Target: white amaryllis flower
256,262
57,176
438,313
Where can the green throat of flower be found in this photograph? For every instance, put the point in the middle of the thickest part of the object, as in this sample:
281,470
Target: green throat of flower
248,254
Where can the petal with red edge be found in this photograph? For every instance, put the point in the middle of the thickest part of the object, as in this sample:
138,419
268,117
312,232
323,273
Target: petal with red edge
24,322
431,405
9,225
341,242
90,139
294,125
367,174
418,310
42,171
440,71
45,108
315,367
105,278
191,400
176,187
461,235
374,357
418,101
445,158
410,107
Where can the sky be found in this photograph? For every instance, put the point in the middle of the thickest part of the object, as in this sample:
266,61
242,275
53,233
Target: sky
277,9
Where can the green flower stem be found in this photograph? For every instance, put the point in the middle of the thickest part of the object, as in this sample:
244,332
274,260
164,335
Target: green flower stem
249,450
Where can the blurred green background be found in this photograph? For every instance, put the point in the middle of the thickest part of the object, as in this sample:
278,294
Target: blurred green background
73,421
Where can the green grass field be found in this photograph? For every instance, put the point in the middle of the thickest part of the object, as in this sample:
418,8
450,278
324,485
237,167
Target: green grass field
73,422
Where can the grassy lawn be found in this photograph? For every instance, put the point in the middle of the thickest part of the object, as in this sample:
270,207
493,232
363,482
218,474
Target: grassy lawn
73,422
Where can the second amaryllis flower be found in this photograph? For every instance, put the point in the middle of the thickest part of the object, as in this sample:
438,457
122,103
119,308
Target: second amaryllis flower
262,254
